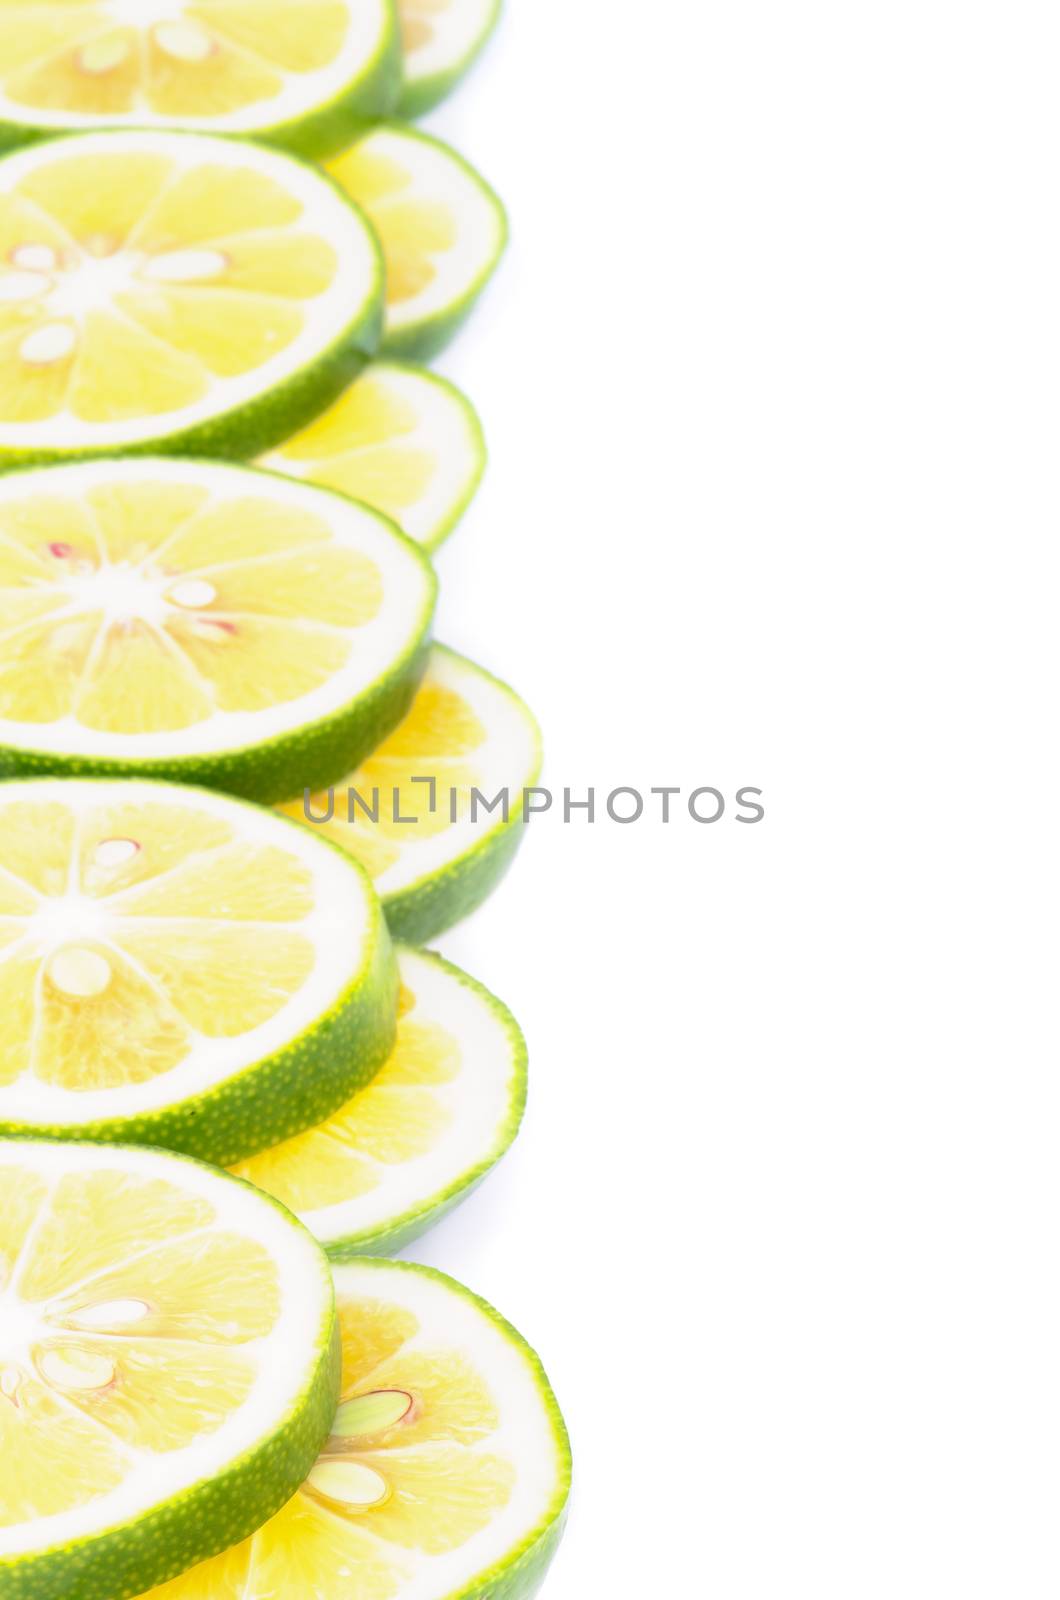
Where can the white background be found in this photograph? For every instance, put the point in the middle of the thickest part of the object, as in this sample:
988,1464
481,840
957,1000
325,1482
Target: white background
770,378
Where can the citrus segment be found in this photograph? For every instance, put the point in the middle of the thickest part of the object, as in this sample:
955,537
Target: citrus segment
148,1417
201,620
400,439
441,39
174,287
441,227
181,969
415,813
416,1141
304,73
447,1471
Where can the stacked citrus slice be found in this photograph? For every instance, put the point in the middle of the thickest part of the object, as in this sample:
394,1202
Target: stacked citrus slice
441,39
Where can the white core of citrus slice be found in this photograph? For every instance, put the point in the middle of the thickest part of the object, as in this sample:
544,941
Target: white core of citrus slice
440,1111
180,233
464,729
93,939
402,440
172,63
440,35
440,226
484,1473
232,585
97,1229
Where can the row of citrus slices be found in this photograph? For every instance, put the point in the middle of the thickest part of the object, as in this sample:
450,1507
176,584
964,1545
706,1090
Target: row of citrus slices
210,1381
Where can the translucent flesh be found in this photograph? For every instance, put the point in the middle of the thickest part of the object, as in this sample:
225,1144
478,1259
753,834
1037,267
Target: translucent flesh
238,604
209,57
439,1481
180,931
413,228
438,739
136,1346
127,287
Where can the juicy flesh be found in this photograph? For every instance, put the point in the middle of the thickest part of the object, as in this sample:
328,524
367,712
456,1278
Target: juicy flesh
120,1339
148,607
131,932
194,60
438,739
420,20
415,230
408,1474
398,1117
130,287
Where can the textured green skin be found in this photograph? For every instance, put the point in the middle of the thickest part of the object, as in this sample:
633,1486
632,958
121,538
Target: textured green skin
284,1094
427,908
423,94
315,135
426,338
257,425
519,1574
283,766
203,1520
409,1225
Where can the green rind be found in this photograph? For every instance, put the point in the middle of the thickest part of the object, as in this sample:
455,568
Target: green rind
258,425
282,1095
447,523
315,135
205,1519
417,1220
426,338
312,757
519,1574
419,96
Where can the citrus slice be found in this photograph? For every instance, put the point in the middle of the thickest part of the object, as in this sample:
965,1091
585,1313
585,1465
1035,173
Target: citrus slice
177,291
423,1134
441,227
194,620
415,813
448,1470
441,40
168,1366
400,439
181,969
303,73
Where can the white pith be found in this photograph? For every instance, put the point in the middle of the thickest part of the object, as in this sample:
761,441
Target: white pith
444,428
338,928
286,1357
509,758
325,315
438,177
479,1100
300,94
449,1320
376,646
456,34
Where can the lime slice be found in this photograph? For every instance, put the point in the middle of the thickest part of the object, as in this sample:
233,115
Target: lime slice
172,290
304,73
181,969
149,1415
442,229
201,621
423,1134
400,439
467,732
448,1470
441,39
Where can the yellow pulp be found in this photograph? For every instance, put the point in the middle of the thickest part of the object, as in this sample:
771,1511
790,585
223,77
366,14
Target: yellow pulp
128,287
397,1118
415,229
207,58
365,447
419,21
439,739
381,1500
129,930
145,607
116,1363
